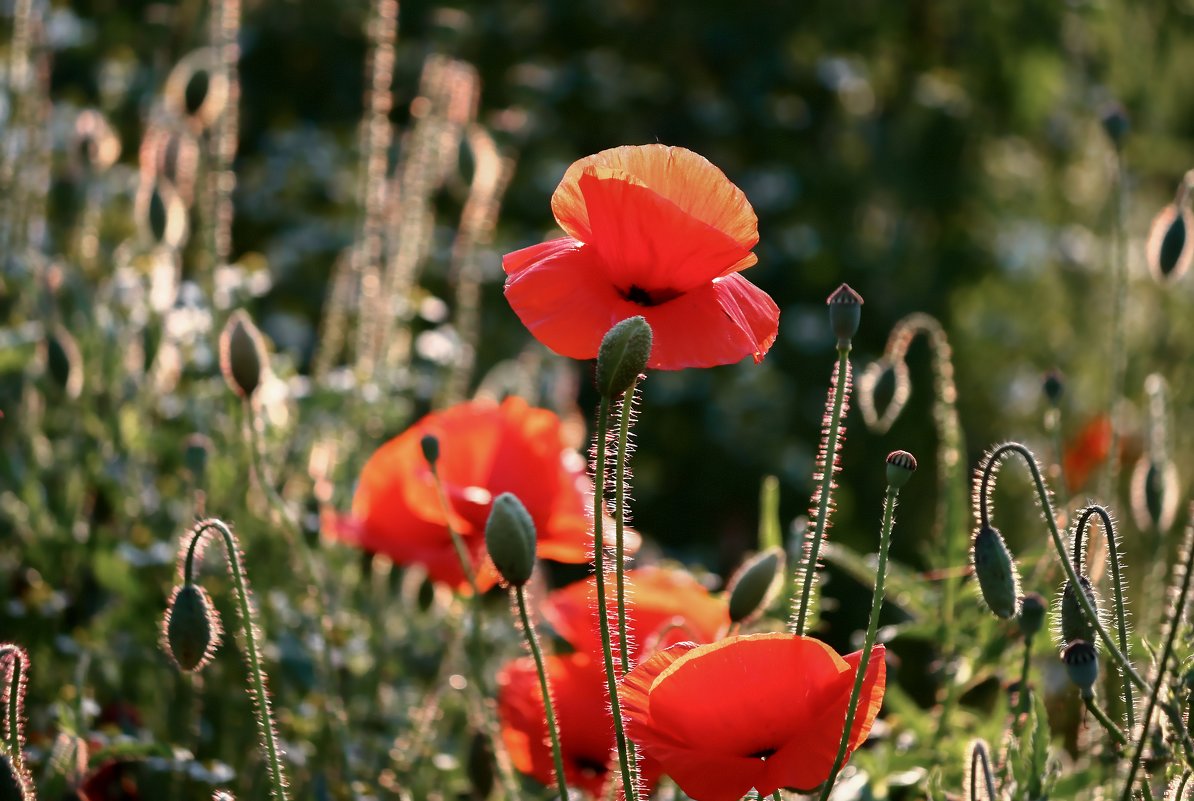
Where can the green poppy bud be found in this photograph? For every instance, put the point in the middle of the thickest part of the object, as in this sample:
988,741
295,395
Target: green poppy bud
1053,386
430,445
242,354
1154,494
1082,665
997,575
845,313
192,628
1032,615
1168,248
753,586
1115,123
623,355
510,538
900,467
1074,623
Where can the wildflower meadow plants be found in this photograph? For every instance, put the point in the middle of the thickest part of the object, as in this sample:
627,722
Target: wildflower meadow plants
449,600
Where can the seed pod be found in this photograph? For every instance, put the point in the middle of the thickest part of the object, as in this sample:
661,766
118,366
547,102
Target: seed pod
845,313
430,445
192,628
1082,665
1168,248
996,570
480,767
1074,623
14,785
623,355
242,354
1032,615
510,538
753,586
1053,386
900,467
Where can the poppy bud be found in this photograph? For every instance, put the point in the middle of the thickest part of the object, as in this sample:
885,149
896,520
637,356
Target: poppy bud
623,356
1053,386
194,456
242,354
426,594
1082,665
192,630
1154,495
1115,123
1167,248
480,766
752,586
1032,615
430,445
998,577
510,538
845,313
1074,623
900,467
14,786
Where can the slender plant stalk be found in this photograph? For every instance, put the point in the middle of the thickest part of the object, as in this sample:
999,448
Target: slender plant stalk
611,678
14,694
872,630
1175,622
1023,700
1117,586
553,730
841,388
620,524
1105,720
265,715
979,758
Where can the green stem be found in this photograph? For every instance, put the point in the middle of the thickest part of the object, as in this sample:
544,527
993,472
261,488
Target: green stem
1023,701
611,678
841,383
1175,620
979,758
1117,586
776,796
14,691
1105,720
872,631
620,524
552,728
265,716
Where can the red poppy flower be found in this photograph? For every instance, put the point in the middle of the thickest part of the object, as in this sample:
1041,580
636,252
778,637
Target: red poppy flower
656,231
1086,452
582,710
663,607
485,450
759,710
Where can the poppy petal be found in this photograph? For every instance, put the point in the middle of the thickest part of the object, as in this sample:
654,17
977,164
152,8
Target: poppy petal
683,177
871,698
634,692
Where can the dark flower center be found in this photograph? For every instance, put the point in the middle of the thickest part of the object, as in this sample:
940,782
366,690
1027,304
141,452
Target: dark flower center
764,755
643,297
590,767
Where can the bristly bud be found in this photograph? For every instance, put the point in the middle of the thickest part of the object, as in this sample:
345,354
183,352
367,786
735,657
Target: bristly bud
1082,665
1074,624
1054,387
623,355
430,445
191,628
1168,248
845,313
1115,123
510,538
1032,615
14,785
1154,495
754,585
996,570
900,467
480,767
242,354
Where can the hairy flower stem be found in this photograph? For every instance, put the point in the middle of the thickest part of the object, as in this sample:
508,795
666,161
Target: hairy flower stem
872,631
620,524
979,758
264,712
1105,720
1175,622
14,695
1117,586
1023,703
841,388
611,677
528,628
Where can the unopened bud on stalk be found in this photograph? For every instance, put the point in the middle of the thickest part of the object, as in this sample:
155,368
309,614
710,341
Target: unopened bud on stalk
1082,665
752,587
1032,615
623,355
510,538
1154,494
1053,386
1168,249
430,445
997,575
1115,123
1074,623
192,628
242,354
14,785
900,467
845,313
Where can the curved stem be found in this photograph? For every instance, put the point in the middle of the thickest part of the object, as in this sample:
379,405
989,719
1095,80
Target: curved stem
841,385
1175,620
14,695
1117,586
872,631
611,678
265,716
979,758
1105,720
553,730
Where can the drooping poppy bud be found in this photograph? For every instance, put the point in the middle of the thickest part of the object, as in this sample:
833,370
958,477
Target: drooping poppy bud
242,354
752,587
192,628
1082,665
1053,386
14,785
510,538
900,467
1074,623
1168,248
1032,615
623,355
998,577
845,313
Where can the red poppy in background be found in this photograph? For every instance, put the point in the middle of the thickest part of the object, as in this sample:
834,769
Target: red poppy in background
587,744
759,710
663,606
485,449
655,231
1086,452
